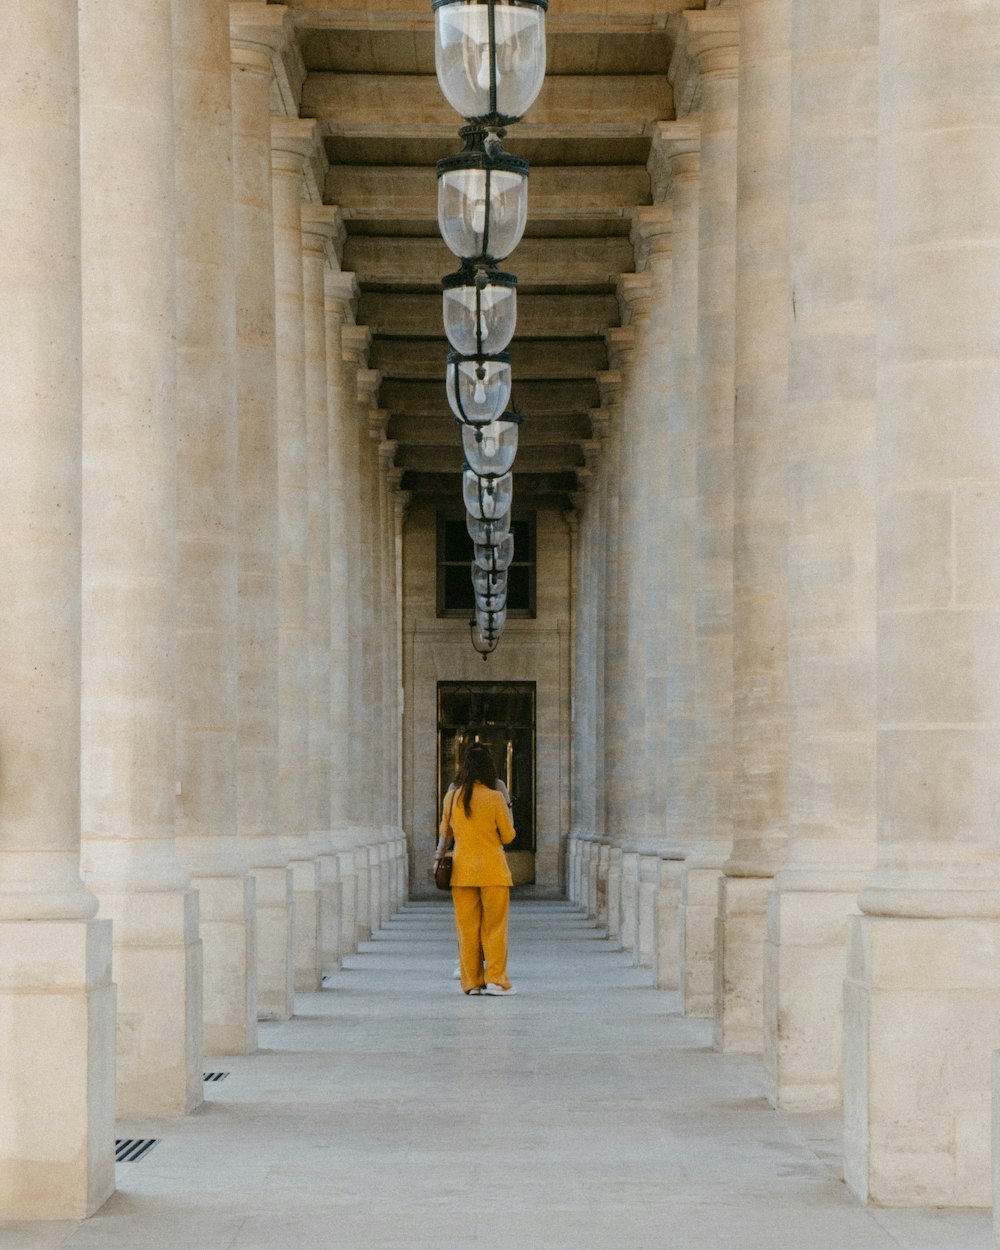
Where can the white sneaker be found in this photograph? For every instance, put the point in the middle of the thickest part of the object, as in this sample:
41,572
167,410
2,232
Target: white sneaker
476,990
457,974
498,991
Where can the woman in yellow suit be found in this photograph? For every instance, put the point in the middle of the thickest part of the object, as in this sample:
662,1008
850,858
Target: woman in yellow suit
476,816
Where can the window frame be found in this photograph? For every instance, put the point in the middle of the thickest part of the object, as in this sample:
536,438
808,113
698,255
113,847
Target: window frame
443,612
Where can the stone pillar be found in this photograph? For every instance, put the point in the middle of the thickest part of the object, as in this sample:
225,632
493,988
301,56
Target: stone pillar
129,715
341,295
760,564
258,542
674,166
322,231
205,810
831,551
713,40
355,341
57,1003
292,141
923,990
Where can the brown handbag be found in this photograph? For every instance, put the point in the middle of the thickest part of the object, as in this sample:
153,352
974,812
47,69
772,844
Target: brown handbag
442,867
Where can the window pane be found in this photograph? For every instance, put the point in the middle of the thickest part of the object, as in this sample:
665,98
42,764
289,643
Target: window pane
518,588
457,543
458,592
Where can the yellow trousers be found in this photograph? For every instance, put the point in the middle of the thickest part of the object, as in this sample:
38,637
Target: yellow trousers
481,922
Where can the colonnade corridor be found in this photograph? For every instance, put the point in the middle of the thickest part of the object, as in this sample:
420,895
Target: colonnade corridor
393,1112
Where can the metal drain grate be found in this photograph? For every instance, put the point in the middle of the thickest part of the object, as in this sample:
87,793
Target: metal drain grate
215,1076
132,1149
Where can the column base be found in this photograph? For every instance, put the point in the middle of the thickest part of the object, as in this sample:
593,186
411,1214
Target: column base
611,858
362,870
805,963
922,1019
348,903
740,930
668,920
157,967
275,976
649,888
629,894
600,870
329,913
699,908
375,888
305,924
57,1078
228,924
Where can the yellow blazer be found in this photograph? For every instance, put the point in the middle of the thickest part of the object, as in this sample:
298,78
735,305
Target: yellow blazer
479,837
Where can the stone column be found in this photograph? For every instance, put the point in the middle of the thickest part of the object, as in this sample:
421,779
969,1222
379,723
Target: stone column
341,296
258,544
207,842
760,539
355,342
129,714
713,40
292,141
322,231
634,292
674,166
831,551
57,1003
923,990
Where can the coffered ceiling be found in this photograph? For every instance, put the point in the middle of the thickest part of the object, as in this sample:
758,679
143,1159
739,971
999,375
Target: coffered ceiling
370,83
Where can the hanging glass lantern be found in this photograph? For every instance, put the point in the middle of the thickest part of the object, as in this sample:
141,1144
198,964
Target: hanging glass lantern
491,622
490,57
493,602
487,497
490,449
487,533
480,310
482,646
482,201
478,387
486,583
495,559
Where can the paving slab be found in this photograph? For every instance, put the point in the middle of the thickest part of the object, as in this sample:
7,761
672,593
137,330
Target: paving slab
394,1113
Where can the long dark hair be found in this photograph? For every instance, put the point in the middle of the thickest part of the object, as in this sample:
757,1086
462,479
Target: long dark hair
477,765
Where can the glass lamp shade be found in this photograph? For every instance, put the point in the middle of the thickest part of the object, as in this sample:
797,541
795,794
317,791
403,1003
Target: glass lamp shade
485,646
480,311
485,583
478,387
492,603
495,559
487,533
484,78
491,623
491,449
487,498
482,203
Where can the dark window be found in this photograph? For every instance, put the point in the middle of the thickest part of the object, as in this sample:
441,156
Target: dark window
454,568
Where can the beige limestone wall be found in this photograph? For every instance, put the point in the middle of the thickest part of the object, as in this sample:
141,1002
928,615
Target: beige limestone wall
531,650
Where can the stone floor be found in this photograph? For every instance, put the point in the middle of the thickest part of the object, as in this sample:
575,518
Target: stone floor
393,1113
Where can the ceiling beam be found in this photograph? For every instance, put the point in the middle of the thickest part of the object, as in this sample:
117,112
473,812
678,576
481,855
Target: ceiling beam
538,316
560,263
575,16
442,431
533,399
406,105
556,192
532,358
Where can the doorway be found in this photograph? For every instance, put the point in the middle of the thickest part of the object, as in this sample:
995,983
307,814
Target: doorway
501,715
